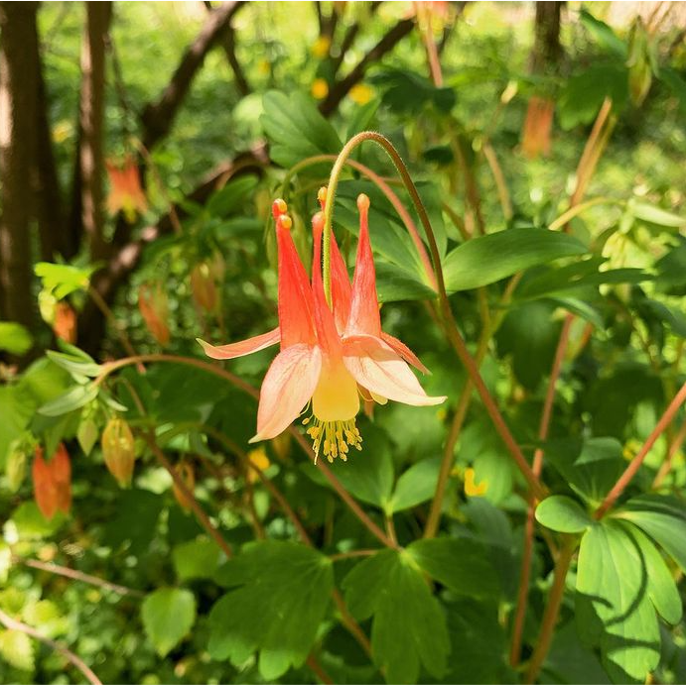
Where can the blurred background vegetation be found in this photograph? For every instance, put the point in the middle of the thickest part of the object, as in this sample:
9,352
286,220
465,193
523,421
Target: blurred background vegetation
141,145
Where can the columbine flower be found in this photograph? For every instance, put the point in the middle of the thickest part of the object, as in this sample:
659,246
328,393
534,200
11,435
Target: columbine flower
330,357
126,193
52,482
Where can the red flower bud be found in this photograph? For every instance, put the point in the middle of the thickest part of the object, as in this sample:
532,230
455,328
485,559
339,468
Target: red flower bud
61,473
118,450
64,324
52,482
153,305
185,472
203,287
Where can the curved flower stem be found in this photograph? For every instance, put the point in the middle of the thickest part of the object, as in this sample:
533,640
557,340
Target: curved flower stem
552,610
110,367
454,335
499,178
666,465
318,670
544,426
391,196
635,464
12,624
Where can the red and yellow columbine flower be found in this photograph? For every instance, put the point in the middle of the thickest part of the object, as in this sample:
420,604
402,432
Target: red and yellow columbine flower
330,357
126,192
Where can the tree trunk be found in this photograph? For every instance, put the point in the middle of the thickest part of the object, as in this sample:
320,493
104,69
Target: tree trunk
49,209
91,117
18,88
547,51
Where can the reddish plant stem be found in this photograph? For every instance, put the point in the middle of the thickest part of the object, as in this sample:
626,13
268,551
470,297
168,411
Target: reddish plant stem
12,624
317,669
110,367
543,429
667,463
551,612
78,575
631,470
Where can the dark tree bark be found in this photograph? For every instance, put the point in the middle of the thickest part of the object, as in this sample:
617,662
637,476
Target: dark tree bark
49,209
91,119
158,117
547,51
386,44
18,89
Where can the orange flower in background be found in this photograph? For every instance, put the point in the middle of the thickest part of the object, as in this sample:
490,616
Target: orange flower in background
126,192
319,89
187,475
537,127
52,482
330,357
154,308
203,287
64,324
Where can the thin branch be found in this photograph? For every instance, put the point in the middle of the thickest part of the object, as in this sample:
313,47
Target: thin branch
544,427
12,624
78,575
635,464
349,39
158,116
673,449
340,89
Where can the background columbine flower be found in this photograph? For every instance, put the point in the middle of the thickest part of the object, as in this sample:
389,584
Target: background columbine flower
329,356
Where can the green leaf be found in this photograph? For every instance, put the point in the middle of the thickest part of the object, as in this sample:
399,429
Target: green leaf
16,412
613,605
168,616
490,258
563,514
397,83
232,196
16,649
278,597
655,215
416,485
370,478
81,365
63,279
31,524
603,34
461,564
396,284
196,559
662,587
584,93
15,338
570,661
296,129
409,627
75,398
663,519
591,467
46,616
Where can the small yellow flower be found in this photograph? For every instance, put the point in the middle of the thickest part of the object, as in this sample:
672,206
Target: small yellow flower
320,47
320,89
471,489
264,67
259,459
361,93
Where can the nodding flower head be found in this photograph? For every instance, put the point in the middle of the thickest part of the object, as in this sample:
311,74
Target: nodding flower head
331,356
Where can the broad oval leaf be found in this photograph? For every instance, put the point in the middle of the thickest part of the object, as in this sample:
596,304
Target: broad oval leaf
490,258
563,514
168,615
75,398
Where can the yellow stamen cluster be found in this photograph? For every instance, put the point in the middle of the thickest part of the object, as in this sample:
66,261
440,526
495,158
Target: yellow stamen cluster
334,437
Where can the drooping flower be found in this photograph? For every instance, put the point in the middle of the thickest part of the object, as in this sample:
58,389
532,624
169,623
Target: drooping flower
52,482
126,192
330,356
64,325
154,308
118,450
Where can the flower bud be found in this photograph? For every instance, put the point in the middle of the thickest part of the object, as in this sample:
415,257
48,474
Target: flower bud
44,488
186,474
154,308
64,324
118,450
61,473
15,467
203,287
